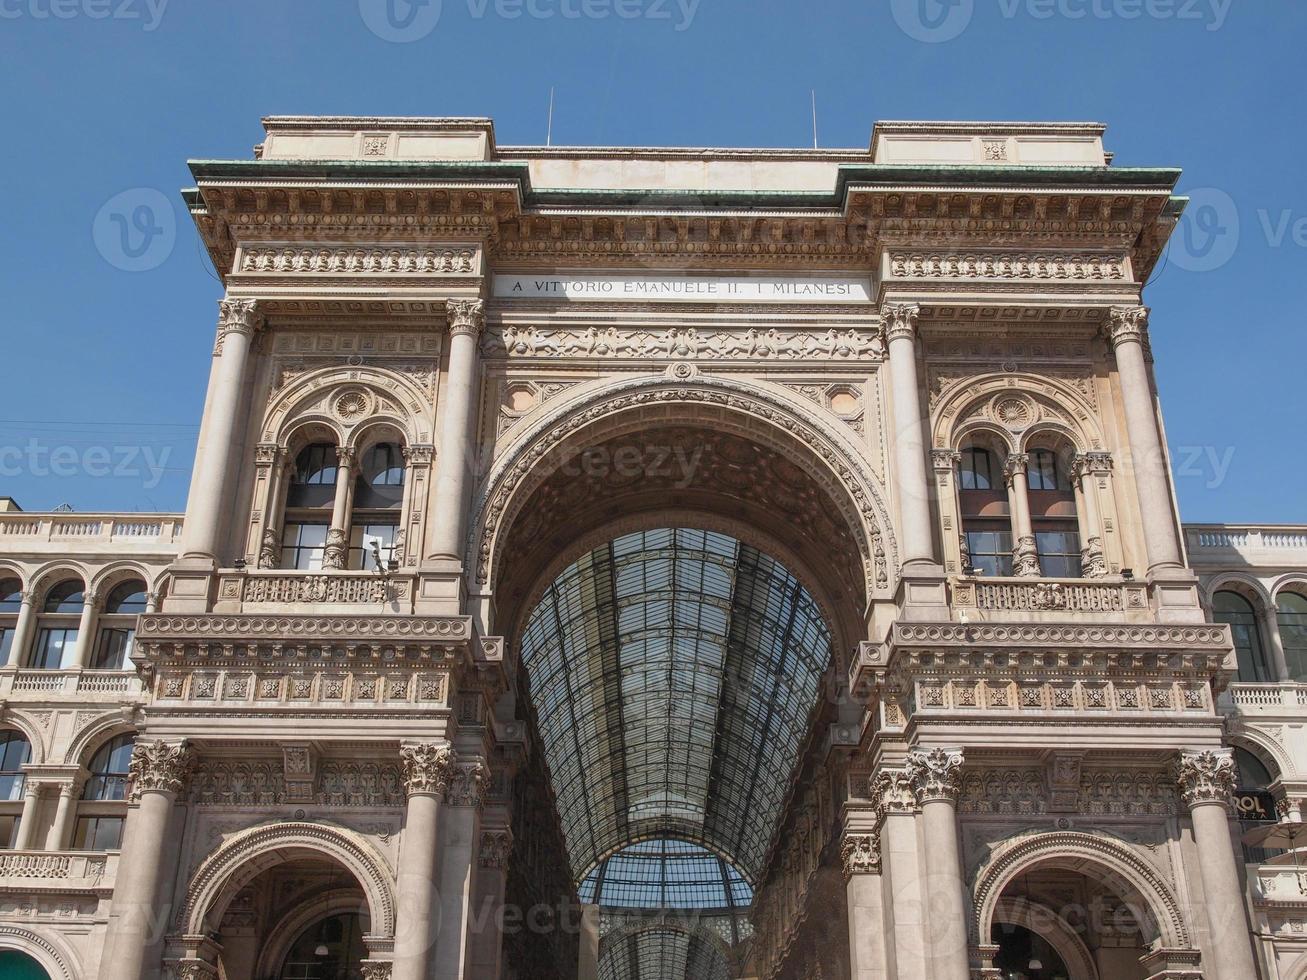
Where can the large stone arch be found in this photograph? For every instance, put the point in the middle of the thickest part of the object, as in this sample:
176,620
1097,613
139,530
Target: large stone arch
1093,855
761,413
249,853
49,951
99,730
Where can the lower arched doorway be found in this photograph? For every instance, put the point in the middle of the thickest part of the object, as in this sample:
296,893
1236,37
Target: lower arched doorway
19,966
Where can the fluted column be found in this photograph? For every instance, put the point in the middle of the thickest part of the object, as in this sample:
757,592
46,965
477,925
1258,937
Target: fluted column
937,779
460,841
1085,470
18,649
900,323
427,767
210,494
1025,554
863,887
1126,328
158,773
336,553
467,318
1206,782
84,649
904,890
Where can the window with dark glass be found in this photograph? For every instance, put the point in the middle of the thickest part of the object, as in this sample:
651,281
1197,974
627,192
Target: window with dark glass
313,481
1238,613
986,524
303,544
56,636
362,539
380,484
118,626
11,603
1053,514
1291,617
101,813
15,751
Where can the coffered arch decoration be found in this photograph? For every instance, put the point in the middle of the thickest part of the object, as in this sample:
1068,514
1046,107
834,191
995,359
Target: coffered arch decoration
247,854
753,440
345,398
1019,406
1100,857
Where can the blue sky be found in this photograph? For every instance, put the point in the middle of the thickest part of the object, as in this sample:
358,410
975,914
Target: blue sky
103,373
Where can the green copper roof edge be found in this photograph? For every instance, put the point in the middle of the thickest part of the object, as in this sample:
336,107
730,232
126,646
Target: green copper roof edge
1159,179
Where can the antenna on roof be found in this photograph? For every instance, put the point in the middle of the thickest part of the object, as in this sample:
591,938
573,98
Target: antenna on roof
549,127
814,119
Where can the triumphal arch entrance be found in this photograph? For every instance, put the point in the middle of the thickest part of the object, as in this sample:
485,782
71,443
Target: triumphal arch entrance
622,563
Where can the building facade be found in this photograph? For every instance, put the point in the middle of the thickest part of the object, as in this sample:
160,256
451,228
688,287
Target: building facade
662,563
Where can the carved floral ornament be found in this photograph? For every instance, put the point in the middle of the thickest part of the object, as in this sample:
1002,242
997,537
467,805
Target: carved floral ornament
1126,324
496,845
1205,777
899,321
236,316
329,261
676,343
860,854
160,766
427,767
466,317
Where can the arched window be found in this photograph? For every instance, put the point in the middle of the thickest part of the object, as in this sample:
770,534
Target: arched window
1256,805
1237,612
1053,514
118,626
309,499
1291,616
11,603
15,751
986,524
57,637
102,812
378,498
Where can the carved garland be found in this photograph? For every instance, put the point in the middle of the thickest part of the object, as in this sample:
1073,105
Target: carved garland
515,478
1115,856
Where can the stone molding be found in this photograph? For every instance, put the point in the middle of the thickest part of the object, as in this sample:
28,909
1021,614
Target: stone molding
676,343
1205,777
860,854
936,775
1126,324
159,767
349,260
1043,266
466,317
427,767
1181,637
899,321
287,629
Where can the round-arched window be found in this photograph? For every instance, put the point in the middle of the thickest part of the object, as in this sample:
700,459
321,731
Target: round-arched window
11,603
57,637
66,598
1237,612
102,812
113,649
1291,617
15,752
127,599
109,767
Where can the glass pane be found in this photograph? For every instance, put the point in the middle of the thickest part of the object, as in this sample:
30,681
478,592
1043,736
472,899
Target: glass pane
114,649
98,834
1237,612
11,595
8,830
6,644
977,472
126,599
361,541
54,647
1292,620
66,597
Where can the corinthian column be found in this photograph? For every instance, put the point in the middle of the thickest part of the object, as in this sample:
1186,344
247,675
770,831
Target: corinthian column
1084,470
1025,554
937,778
1206,782
137,919
210,492
460,843
467,318
913,491
903,899
1126,329
427,768
863,886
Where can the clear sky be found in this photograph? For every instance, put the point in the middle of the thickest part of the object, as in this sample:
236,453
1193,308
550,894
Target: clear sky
108,311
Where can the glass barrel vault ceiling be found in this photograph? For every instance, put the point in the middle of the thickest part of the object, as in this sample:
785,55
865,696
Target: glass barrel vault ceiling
664,954
673,673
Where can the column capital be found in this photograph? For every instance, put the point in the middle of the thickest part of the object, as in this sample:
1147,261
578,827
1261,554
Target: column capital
860,854
376,969
1016,465
466,316
240,316
892,791
346,456
418,455
426,767
160,767
936,775
1126,324
899,321
496,845
1205,777
1091,464
945,460
466,784
267,453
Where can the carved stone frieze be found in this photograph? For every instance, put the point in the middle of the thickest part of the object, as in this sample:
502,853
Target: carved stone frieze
1046,267
466,784
325,260
679,343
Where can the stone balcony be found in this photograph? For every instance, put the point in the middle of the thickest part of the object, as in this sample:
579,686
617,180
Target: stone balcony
82,686
121,535
35,873
289,591
1244,545
1049,599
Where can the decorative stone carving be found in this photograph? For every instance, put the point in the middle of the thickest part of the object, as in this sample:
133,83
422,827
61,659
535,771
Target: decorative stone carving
296,588
496,845
1205,777
1025,557
936,775
1092,562
227,782
270,551
335,552
683,343
466,316
360,784
466,784
375,970
426,766
236,316
159,766
337,261
899,321
1126,324
1009,266
893,791
350,406
860,854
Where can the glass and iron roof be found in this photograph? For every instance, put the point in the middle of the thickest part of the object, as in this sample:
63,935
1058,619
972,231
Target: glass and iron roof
662,953
673,673
665,874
